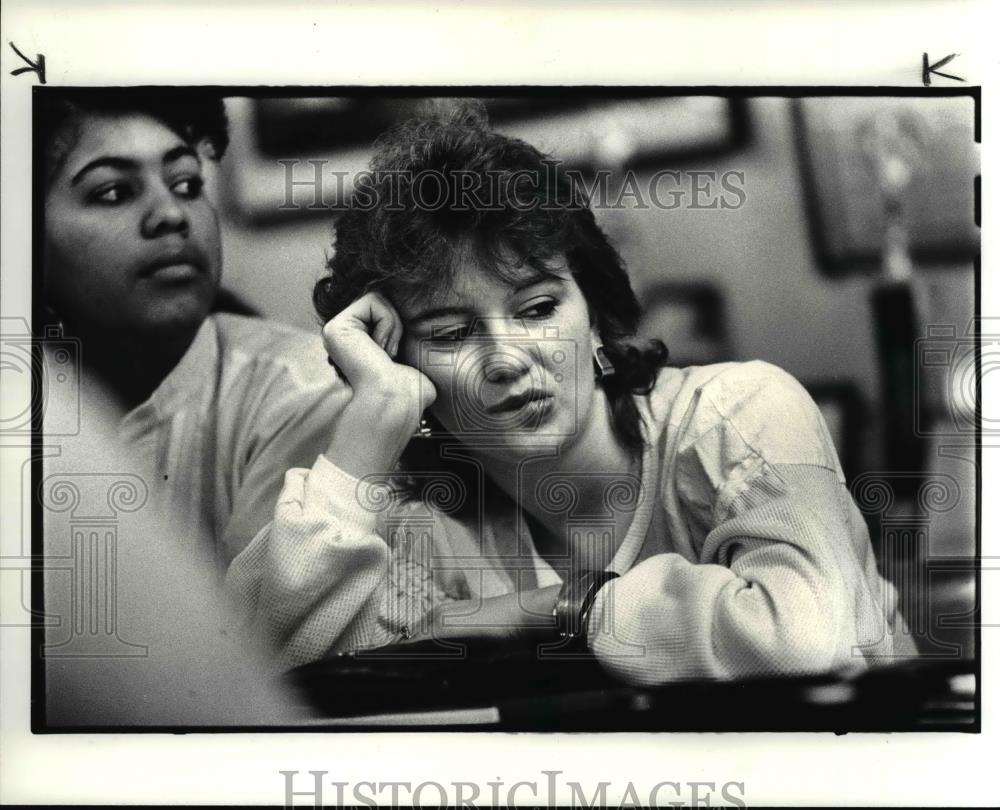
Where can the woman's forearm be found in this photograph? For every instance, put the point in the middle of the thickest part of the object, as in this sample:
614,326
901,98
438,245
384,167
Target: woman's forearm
523,614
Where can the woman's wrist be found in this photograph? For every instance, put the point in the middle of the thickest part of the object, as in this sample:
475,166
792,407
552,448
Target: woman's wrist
523,614
571,612
369,437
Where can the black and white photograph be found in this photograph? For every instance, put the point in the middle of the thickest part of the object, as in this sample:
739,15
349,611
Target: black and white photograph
628,416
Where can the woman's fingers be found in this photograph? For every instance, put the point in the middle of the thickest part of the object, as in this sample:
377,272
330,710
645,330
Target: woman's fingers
362,339
381,316
355,340
374,313
395,332
386,398
388,325
350,351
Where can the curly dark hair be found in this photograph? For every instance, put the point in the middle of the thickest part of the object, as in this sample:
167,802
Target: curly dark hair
393,240
197,116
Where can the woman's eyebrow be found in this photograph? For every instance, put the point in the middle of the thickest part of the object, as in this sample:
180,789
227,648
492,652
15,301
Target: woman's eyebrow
438,312
178,152
538,278
532,281
126,164
120,163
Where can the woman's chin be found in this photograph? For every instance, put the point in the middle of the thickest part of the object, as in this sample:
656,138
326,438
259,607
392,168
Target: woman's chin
546,432
173,317
515,447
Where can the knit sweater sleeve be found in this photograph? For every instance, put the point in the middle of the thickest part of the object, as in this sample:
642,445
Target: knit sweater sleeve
321,577
775,582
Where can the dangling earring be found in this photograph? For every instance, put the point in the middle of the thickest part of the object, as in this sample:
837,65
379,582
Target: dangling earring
424,430
603,368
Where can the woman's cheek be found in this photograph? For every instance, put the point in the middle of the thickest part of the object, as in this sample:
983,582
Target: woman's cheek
443,407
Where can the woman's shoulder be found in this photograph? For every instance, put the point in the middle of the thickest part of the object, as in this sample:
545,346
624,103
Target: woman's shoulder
753,405
266,348
272,376
719,385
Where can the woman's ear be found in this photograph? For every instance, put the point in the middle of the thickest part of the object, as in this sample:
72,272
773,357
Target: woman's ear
595,338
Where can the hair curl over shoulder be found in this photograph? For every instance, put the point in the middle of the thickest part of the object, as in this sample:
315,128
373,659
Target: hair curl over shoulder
444,183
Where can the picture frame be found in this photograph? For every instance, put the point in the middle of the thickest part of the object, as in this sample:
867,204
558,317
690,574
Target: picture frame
935,139
281,168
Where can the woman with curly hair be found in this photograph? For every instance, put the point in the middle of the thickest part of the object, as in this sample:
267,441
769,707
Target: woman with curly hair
512,461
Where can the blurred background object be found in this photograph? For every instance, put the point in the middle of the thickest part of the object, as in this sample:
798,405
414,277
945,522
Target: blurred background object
134,631
878,165
833,236
591,133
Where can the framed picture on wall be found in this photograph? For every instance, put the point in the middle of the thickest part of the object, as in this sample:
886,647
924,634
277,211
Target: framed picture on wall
690,318
848,145
292,156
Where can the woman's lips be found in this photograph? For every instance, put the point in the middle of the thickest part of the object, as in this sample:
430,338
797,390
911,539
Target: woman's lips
537,407
516,403
176,263
182,271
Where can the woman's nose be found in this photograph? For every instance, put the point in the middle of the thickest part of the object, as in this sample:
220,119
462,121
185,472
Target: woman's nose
505,360
165,215
505,349
502,364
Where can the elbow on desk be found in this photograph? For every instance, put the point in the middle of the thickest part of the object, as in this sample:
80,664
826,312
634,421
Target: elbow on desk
800,632
747,634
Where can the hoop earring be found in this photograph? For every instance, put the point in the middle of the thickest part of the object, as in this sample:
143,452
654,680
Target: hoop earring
603,367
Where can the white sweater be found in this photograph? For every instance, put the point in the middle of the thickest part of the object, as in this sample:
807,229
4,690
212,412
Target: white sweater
745,555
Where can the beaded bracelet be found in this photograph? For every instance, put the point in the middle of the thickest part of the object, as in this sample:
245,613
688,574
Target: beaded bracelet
576,598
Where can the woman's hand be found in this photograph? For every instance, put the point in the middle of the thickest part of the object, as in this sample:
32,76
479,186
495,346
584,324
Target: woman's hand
524,615
387,398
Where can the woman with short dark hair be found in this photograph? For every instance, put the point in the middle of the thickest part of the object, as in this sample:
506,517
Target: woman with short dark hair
217,406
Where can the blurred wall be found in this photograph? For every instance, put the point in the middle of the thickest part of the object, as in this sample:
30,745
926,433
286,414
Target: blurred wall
779,306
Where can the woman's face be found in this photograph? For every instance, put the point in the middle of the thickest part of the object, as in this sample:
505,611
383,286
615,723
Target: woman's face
511,362
132,243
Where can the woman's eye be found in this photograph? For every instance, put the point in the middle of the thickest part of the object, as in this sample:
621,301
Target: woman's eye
110,194
189,187
543,309
451,333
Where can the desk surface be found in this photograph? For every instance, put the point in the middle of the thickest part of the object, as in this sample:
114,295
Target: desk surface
511,689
